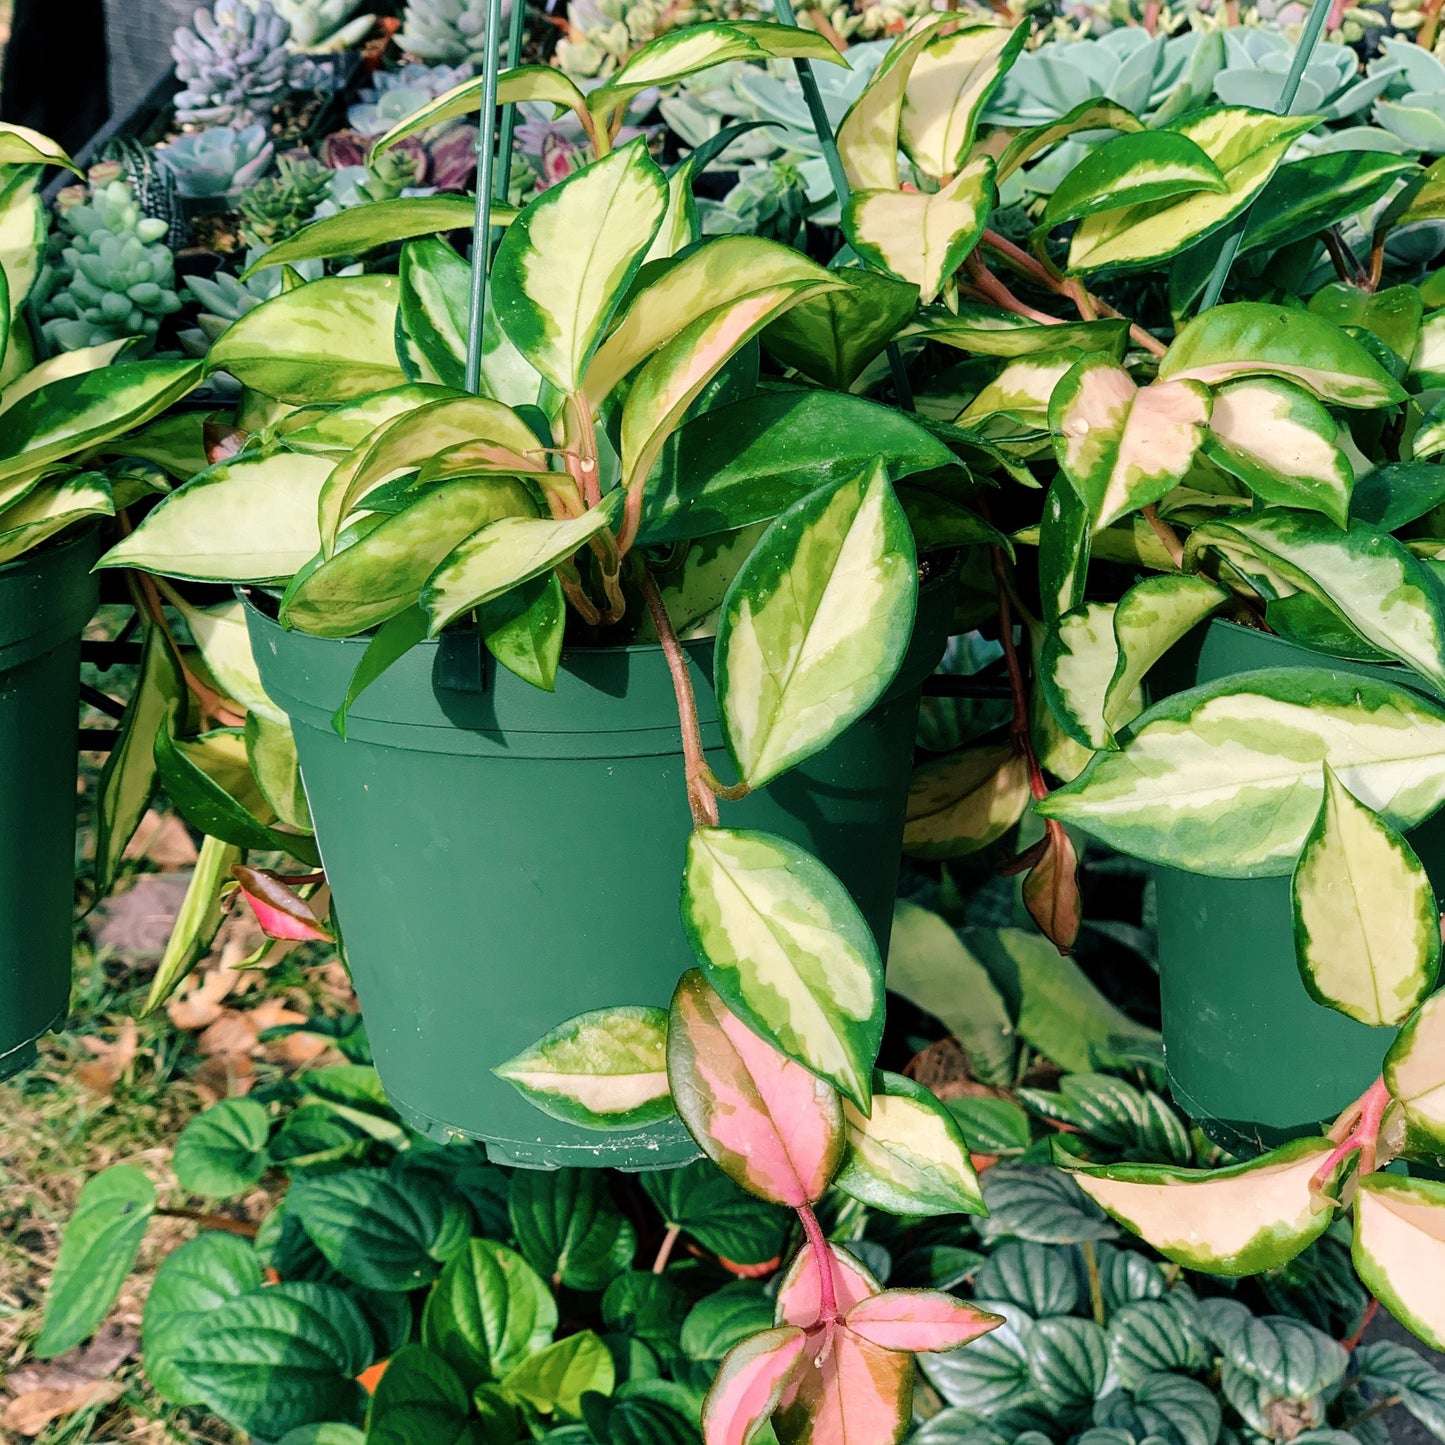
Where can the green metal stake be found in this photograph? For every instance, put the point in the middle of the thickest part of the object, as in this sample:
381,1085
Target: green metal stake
1314,27
823,128
482,220
509,112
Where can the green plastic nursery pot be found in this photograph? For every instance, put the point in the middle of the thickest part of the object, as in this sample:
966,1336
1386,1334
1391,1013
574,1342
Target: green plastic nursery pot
45,601
1251,1057
504,858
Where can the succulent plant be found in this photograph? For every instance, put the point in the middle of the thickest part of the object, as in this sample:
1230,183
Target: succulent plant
225,298
324,24
444,162
108,273
280,205
601,34
448,32
769,199
1413,105
235,63
867,19
1256,62
217,160
394,95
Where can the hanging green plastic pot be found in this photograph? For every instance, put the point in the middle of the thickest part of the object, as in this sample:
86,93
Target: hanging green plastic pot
45,601
504,858
1251,1057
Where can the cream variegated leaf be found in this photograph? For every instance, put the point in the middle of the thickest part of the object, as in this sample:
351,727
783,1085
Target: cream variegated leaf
606,1069
1121,445
252,519
921,237
1245,145
1363,575
858,1391
1151,617
1021,391
749,1383
49,509
720,271
1080,656
868,134
908,1155
567,260
1132,170
1415,1073
815,624
1226,779
786,948
670,382
947,89
334,431
1366,928
1250,338
498,557
962,803
1236,1221
1399,1250
1280,442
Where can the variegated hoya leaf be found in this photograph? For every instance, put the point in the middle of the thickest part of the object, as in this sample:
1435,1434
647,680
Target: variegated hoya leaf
606,1069
988,331
567,260
1021,391
49,509
252,519
1399,1250
1366,928
279,909
1363,575
1093,114
948,86
961,803
1121,445
332,431
919,236
1225,779
510,551
1245,145
770,1126
908,1155
749,1383
858,1391
1236,1221
868,134
1249,338
1280,442
1415,1074
919,1320
800,1300
329,340
670,382
787,949
1132,170
1080,656
815,624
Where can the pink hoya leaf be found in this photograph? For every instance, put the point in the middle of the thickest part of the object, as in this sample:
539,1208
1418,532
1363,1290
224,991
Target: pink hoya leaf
854,1394
919,1319
750,1382
279,909
800,1298
766,1122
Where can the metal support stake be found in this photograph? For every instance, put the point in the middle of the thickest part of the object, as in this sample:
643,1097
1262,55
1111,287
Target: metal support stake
482,220
1309,38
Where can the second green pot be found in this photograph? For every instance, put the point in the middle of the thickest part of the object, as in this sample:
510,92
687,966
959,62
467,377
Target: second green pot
504,859
1251,1056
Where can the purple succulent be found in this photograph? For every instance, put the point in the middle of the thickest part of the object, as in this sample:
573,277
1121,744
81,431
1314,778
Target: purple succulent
453,157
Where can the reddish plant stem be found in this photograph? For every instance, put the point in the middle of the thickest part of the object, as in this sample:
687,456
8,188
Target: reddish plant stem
991,288
213,1221
1019,729
1151,16
212,705
700,798
1366,1320
664,1252
1377,259
1166,534
1430,25
1358,1128
823,1263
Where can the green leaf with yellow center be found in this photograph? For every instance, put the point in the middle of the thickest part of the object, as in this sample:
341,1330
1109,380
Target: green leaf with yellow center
1021,392
1280,442
1130,170
1226,779
1399,1250
922,237
570,256
908,1155
1236,1221
961,803
1363,576
1121,445
786,948
606,1069
1366,928
815,624
1245,146
1415,1074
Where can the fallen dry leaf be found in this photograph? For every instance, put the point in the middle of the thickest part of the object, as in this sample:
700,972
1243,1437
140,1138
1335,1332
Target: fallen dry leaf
139,920
229,1033
103,1072
225,1076
163,839
30,1413
197,1003
75,1380
944,1070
